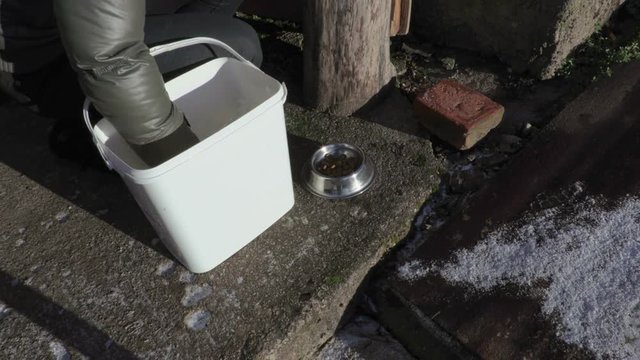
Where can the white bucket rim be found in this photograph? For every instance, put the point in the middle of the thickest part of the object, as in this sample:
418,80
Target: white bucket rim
114,162
121,167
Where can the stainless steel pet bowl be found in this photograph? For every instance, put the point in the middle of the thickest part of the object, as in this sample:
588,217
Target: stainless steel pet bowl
319,180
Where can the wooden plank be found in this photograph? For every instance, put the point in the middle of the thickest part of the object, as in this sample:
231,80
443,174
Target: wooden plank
396,14
400,18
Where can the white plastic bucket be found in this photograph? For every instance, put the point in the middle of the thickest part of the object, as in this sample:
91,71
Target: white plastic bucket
216,197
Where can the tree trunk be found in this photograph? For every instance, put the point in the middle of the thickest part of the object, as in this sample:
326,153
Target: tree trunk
346,53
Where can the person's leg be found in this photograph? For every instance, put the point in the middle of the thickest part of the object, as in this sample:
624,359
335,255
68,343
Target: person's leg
54,92
164,29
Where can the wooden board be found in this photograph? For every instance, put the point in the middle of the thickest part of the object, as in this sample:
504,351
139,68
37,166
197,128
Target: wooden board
400,17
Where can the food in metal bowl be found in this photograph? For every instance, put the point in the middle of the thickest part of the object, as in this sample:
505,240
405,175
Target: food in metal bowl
338,165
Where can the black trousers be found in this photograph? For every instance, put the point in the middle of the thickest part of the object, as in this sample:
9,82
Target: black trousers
55,91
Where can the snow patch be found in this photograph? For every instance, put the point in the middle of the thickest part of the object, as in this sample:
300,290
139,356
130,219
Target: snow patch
193,294
4,310
363,339
339,350
413,270
187,277
165,268
197,320
589,255
58,351
62,217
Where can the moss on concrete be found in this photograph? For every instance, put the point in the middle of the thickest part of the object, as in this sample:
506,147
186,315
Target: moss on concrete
603,52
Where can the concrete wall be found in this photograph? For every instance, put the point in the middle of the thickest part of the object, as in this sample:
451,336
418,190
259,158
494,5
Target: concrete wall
529,35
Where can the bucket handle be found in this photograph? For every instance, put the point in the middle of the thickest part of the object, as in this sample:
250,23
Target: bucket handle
161,49
155,51
87,121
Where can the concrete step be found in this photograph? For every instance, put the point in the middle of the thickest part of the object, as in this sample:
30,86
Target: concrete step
82,272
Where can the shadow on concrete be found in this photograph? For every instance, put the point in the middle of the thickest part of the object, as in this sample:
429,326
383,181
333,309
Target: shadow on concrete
24,147
58,321
392,109
300,151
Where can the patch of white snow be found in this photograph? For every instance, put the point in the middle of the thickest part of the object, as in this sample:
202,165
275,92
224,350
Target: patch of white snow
197,320
587,252
413,270
58,351
193,294
165,268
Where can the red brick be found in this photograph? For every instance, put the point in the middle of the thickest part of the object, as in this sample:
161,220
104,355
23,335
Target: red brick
457,114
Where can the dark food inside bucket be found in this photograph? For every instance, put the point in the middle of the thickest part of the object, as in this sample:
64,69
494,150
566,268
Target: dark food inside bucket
338,165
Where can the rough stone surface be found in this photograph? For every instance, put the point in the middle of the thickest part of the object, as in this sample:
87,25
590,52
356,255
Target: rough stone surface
529,35
103,279
457,114
595,143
